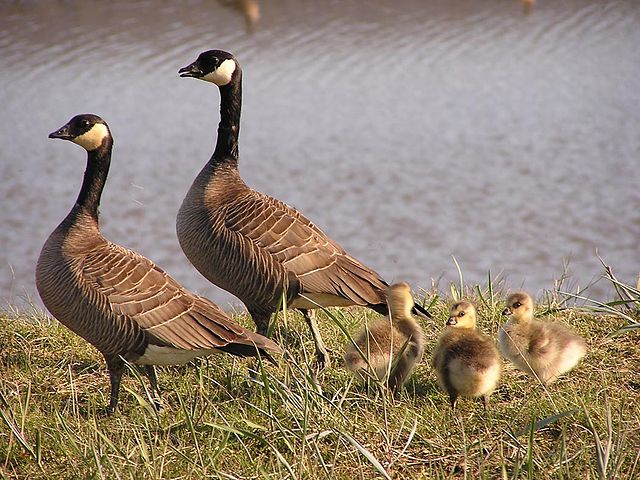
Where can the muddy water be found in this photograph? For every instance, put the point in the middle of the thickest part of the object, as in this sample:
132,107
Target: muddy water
410,131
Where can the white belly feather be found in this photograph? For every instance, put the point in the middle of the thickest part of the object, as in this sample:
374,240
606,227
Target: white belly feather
158,355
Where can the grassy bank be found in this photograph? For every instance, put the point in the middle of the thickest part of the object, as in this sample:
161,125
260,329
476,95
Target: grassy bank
220,421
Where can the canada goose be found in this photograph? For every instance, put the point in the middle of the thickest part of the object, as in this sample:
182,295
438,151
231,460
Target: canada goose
391,345
255,246
527,5
250,10
117,300
466,362
544,350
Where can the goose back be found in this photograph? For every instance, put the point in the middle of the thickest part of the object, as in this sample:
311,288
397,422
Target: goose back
64,291
542,349
466,363
121,302
395,339
383,345
475,350
255,246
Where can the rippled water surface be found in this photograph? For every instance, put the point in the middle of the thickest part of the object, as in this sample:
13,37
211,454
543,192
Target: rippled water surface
410,131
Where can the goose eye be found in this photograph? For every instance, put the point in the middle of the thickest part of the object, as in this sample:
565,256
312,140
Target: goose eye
461,314
517,305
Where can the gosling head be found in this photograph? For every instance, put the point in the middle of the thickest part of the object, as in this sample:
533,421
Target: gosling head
216,66
87,130
399,300
462,315
519,307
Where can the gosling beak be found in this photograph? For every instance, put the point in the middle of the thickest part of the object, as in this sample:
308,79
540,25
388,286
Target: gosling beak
506,312
191,71
452,321
62,132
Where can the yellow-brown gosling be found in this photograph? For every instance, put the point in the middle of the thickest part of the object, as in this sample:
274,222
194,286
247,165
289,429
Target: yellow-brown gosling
118,300
391,345
255,246
544,350
466,362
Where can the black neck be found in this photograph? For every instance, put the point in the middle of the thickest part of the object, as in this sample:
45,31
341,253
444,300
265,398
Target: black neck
95,176
229,127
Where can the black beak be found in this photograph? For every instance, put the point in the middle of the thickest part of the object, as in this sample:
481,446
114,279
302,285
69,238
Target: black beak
418,310
452,321
506,312
62,132
191,71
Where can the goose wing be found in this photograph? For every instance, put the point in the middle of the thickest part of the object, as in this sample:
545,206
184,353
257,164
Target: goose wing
300,247
135,288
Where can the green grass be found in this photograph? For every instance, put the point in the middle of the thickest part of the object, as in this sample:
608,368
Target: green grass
233,418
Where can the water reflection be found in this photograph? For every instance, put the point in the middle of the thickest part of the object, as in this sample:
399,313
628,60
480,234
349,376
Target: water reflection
410,131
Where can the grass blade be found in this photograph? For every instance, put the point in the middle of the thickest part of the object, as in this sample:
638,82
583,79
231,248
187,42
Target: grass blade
544,422
366,454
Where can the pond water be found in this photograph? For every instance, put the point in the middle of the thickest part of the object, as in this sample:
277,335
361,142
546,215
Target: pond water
410,131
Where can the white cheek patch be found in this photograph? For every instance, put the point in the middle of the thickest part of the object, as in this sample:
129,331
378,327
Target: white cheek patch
93,138
222,75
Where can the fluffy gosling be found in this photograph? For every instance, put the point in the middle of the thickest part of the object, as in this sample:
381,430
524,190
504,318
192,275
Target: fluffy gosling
466,362
391,345
544,350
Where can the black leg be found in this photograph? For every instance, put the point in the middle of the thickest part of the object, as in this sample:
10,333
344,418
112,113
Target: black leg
485,402
262,322
453,398
116,368
153,380
400,372
322,355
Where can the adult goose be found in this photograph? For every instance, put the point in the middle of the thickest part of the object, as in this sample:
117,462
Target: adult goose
117,300
253,245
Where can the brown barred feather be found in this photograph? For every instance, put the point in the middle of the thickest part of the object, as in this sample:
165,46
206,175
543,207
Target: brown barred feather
120,301
255,246
250,245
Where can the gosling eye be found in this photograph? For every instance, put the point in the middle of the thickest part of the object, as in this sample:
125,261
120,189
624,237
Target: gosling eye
461,314
517,305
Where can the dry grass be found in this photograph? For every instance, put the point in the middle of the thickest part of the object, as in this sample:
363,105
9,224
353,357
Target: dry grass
229,418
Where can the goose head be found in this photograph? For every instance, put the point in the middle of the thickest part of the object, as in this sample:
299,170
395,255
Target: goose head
215,66
399,300
462,315
519,307
87,130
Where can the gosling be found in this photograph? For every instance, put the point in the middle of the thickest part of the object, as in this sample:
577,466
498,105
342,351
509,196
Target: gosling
390,347
466,362
544,350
